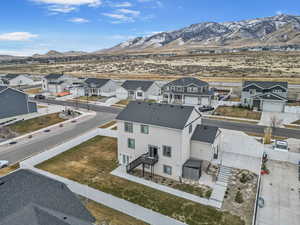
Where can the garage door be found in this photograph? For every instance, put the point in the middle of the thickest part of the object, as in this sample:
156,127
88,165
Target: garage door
273,106
191,100
204,101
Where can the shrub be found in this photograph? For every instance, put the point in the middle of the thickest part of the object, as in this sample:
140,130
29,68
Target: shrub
239,197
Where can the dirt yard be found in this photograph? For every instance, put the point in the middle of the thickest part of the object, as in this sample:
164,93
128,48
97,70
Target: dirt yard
235,111
91,163
240,194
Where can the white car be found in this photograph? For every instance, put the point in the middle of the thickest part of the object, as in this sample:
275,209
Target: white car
3,163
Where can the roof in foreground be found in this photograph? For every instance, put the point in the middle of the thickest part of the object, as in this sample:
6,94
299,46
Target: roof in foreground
2,88
163,115
186,81
205,134
34,199
11,76
265,84
144,85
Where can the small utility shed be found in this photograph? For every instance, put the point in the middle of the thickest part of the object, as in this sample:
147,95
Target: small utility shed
192,169
205,143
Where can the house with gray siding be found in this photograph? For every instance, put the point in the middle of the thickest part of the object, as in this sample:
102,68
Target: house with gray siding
56,83
16,80
265,95
138,90
14,103
28,198
187,91
164,139
100,87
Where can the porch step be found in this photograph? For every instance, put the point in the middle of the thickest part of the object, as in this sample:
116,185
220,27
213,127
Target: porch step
224,175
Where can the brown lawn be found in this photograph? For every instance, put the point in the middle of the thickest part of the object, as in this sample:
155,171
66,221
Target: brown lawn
239,112
109,124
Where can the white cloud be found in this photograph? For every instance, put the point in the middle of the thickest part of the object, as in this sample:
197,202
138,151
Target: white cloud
279,12
134,13
119,18
121,4
17,36
79,20
61,9
91,3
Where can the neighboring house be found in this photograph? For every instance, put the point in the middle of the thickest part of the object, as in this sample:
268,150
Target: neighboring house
56,83
139,90
14,103
187,91
100,87
28,198
166,140
265,95
17,80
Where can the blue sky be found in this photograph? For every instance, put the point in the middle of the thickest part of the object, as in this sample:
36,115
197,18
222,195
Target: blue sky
36,26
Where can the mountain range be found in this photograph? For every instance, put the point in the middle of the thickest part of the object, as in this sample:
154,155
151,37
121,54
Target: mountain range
277,30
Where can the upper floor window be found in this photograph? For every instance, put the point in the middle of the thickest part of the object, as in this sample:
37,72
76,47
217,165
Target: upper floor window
131,143
252,91
139,94
167,88
173,88
128,127
192,89
179,89
167,151
277,91
144,129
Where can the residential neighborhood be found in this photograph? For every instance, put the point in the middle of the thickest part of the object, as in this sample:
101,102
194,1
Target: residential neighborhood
149,112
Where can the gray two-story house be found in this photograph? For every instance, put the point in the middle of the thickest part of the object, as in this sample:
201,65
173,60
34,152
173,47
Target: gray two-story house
187,91
265,95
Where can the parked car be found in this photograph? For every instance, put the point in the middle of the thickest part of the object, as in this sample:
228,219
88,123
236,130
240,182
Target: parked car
40,97
206,108
3,164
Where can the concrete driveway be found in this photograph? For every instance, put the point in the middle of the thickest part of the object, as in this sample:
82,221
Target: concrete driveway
282,118
281,192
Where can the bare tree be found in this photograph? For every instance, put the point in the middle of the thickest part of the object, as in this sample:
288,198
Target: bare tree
275,122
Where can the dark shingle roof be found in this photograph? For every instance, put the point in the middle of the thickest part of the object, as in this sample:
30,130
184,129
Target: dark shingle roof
187,81
53,76
2,88
10,76
96,82
144,85
37,199
266,84
205,134
163,115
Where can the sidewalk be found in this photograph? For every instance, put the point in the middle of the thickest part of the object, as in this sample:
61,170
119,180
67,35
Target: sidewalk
120,172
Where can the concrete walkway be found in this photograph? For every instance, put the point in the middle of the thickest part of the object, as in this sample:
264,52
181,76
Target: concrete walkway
111,201
121,172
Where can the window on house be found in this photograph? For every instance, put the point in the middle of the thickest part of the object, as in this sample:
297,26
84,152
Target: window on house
140,94
128,127
167,88
191,128
168,170
173,88
144,129
179,89
277,91
131,143
194,89
167,151
252,91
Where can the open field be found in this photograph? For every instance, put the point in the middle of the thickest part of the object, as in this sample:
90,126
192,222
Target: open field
28,126
237,112
108,216
109,124
230,67
91,163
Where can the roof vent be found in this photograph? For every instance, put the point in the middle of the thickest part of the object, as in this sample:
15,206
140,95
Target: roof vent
65,217
172,106
182,107
150,103
2,182
139,102
205,127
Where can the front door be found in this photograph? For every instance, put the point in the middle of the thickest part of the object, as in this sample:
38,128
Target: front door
153,151
125,160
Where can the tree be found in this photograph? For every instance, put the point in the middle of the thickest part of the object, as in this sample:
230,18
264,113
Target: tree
275,121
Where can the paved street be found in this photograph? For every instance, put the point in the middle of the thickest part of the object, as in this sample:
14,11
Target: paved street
49,140
245,127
